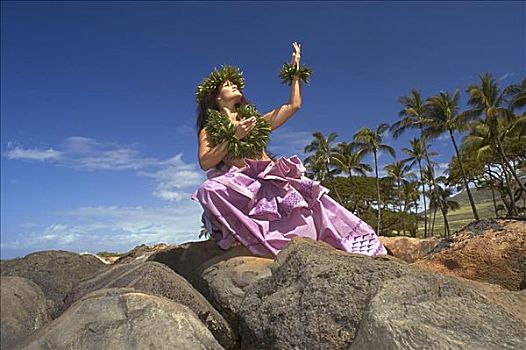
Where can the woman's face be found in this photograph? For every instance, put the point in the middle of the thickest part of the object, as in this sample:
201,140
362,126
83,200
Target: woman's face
229,91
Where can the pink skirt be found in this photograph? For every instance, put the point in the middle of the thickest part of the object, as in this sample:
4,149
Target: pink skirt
264,204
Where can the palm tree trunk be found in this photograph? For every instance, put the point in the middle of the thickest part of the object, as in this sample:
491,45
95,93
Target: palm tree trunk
492,188
494,201
333,184
378,190
399,196
424,197
442,209
471,201
416,214
433,223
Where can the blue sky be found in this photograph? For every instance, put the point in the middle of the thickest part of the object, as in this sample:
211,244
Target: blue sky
98,144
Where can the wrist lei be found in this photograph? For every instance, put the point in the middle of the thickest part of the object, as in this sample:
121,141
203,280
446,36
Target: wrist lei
219,126
289,71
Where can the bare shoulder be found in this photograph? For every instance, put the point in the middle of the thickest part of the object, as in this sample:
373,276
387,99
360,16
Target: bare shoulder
205,142
204,135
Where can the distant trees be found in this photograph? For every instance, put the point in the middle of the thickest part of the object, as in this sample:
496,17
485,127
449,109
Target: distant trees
370,141
324,155
416,154
489,143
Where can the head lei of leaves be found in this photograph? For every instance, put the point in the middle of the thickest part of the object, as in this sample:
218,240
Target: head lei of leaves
219,126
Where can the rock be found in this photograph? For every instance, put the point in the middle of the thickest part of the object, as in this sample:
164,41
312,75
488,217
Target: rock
314,299
55,271
492,252
157,279
141,252
482,226
108,260
321,298
408,249
226,281
191,259
124,319
428,311
23,309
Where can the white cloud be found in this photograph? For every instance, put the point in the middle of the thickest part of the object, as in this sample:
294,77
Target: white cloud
90,154
440,168
173,176
113,228
16,151
83,153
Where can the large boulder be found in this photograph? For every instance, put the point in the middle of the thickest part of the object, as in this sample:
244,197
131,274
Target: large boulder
225,283
321,298
157,279
23,309
55,271
124,319
423,311
192,258
492,251
409,249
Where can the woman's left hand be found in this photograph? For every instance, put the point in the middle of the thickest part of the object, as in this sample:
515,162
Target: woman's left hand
295,60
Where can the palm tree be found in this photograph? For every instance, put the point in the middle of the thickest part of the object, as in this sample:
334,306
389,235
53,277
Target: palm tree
411,195
444,117
324,156
414,116
517,95
487,100
370,141
417,154
399,172
315,171
442,197
349,159
480,142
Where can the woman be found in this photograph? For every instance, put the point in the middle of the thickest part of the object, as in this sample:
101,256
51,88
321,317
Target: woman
262,202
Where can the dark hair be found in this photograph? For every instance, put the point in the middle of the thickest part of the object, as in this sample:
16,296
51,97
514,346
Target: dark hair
210,102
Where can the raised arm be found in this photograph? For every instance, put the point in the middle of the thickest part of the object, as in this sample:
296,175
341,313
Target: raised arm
280,115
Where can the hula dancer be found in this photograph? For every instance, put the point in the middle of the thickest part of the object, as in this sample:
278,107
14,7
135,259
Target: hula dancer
252,198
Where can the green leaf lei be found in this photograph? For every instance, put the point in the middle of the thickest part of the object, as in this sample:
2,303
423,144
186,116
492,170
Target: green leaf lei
214,79
220,129
288,71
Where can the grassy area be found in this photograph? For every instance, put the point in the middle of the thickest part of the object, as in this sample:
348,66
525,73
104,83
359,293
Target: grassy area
464,215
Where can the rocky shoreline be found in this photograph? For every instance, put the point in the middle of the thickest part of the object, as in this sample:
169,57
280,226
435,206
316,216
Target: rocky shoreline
467,294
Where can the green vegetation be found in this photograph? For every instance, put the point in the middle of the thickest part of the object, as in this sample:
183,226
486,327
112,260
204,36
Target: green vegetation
489,163
488,166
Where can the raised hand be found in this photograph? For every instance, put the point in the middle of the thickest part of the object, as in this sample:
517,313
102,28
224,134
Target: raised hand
244,127
295,59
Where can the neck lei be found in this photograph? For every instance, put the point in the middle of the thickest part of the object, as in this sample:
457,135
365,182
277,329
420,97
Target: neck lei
220,128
